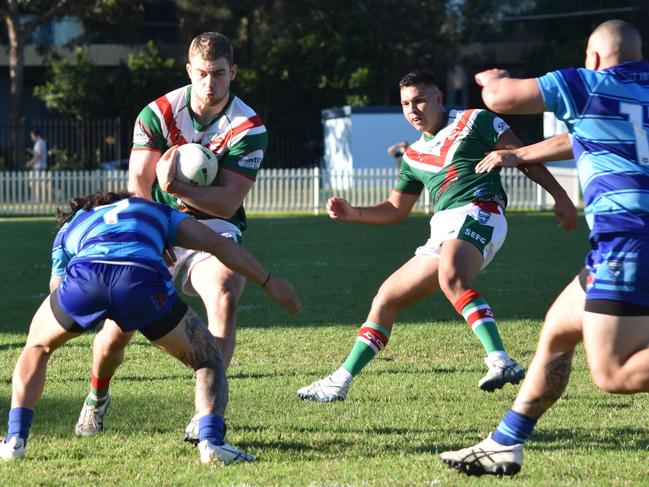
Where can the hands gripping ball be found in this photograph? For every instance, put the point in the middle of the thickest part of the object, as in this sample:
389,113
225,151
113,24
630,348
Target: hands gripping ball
196,165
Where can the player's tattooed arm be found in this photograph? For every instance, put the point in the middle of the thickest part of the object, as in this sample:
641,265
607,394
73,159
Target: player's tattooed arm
556,374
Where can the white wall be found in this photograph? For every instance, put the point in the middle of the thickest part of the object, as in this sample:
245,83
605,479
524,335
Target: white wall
358,137
373,133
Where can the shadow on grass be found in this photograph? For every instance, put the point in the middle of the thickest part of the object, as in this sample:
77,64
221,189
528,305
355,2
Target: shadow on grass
598,438
12,345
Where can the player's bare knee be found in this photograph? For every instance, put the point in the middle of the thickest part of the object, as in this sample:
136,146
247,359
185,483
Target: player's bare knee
452,286
110,345
608,379
385,303
38,352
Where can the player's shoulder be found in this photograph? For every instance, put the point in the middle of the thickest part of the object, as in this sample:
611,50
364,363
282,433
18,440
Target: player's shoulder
473,116
240,112
168,102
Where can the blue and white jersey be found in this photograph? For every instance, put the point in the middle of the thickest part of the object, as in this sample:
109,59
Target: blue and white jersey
132,230
607,113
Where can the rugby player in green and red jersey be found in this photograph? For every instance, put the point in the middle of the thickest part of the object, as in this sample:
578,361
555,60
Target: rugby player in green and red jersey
208,113
467,229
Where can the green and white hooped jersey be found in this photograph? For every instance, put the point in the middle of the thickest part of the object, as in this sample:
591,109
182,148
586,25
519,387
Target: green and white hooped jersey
445,164
236,135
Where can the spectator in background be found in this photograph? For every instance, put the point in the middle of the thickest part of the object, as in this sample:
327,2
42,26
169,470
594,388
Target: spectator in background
38,162
397,151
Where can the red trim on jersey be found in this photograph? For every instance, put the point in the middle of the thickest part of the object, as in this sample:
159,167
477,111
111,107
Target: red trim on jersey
250,123
490,206
175,137
451,175
438,161
240,173
465,299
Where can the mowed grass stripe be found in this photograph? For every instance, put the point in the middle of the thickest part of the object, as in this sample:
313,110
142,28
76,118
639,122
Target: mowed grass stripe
417,398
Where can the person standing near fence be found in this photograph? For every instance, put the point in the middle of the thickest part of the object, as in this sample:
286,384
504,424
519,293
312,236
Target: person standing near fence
208,113
606,305
38,162
467,230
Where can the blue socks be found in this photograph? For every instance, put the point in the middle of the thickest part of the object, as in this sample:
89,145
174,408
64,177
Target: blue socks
211,427
20,422
514,428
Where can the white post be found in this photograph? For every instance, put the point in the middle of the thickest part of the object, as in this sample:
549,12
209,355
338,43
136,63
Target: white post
541,200
316,190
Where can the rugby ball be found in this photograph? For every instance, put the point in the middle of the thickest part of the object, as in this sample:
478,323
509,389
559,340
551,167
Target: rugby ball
196,165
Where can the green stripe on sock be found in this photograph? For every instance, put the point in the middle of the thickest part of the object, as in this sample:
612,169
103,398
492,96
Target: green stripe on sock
488,335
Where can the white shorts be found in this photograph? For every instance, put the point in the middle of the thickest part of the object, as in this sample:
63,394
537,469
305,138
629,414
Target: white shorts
482,224
186,259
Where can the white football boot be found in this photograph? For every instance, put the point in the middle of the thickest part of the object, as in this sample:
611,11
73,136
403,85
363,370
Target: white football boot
325,390
487,457
224,454
14,449
501,371
91,419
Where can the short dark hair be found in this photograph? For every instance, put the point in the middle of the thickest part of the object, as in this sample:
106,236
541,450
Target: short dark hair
211,46
418,77
37,133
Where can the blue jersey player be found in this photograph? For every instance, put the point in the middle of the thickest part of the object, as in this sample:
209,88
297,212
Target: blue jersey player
106,263
606,109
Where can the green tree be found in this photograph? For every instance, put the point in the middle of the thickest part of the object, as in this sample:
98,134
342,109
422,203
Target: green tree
83,89
75,87
298,57
22,17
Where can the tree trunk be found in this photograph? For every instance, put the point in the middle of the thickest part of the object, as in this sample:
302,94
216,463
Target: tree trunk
18,35
16,76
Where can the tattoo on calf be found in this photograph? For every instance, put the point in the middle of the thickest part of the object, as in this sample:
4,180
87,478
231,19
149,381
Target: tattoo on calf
207,361
557,375
206,352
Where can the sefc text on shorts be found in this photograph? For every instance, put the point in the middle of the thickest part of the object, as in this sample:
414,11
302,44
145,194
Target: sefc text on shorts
135,296
481,224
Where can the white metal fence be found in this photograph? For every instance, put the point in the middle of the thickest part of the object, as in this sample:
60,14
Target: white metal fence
278,190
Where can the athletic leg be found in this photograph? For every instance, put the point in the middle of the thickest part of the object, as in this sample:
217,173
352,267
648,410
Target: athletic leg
547,377
107,355
192,343
616,321
460,263
220,290
45,336
617,353
414,280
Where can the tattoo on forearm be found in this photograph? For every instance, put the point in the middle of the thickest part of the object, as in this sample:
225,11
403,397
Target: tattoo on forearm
556,375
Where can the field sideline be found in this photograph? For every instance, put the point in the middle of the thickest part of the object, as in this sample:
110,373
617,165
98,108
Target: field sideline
419,397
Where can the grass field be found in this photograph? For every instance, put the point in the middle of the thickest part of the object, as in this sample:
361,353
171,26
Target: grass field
417,398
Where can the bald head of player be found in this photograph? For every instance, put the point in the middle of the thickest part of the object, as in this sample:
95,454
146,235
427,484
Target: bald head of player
613,42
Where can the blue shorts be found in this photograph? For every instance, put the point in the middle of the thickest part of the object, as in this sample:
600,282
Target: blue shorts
617,269
133,296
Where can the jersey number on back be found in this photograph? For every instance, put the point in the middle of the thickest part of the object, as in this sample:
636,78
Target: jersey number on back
111,216
641,142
